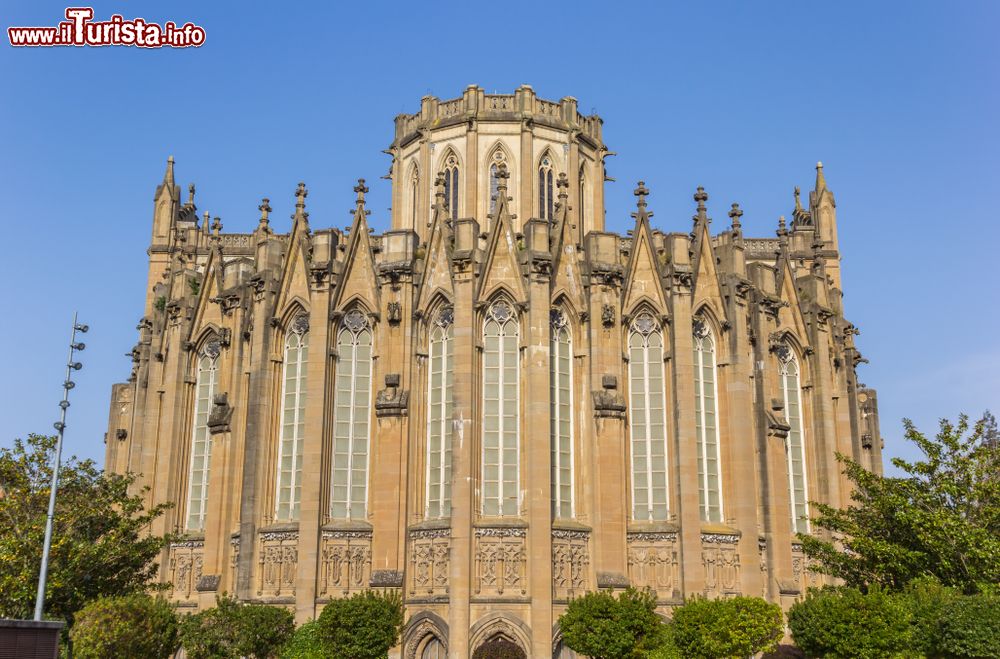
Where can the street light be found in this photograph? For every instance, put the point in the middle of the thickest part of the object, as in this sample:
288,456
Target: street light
60,426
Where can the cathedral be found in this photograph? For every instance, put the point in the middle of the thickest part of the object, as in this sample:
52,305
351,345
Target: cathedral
496,405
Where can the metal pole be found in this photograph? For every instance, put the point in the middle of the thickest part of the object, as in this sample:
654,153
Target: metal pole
60,426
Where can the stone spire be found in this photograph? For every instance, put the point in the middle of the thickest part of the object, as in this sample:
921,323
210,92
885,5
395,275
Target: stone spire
502,198
190,201
205,223
641,192
820,179
168,176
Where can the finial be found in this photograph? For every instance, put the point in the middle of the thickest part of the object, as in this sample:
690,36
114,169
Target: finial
168,176
798,201
562,184
782,229
265,213
300,201
216,226
502,176
735,214
820,179
701,197
361,189
439,200
641,192
204,222
191,195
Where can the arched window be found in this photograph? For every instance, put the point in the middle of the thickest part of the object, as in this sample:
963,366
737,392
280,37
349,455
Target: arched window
582,205
433,649
352,411
706,410
201,441
795,448
414,197
561,416
546,202
496,161
648,425
442,365
501,416
451,185
292,424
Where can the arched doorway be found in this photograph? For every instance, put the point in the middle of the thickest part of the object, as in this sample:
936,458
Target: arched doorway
499,647
433,649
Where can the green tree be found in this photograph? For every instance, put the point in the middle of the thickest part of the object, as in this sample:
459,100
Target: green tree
363,626
601,626
968,628
845,623
131,627
100,541
231,630
941,519
726,628
306,643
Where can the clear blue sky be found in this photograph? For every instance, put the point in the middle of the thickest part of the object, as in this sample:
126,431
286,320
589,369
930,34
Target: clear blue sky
899,100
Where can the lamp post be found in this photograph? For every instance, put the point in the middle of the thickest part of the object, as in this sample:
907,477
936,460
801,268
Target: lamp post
60,426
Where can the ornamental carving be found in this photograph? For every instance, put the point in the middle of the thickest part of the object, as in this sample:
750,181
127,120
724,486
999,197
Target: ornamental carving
355,321
607,315
557,319
570,563
277,562
300,325
430,551
644,323
802,573
394,313
185,560
653,563
346,558
445,317
501,562
212,349
721,560
500,311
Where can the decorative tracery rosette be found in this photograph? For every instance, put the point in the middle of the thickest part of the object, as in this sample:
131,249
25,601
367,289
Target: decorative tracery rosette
500,311
700,328
445,317
300,325
558,319
783,352
212,349
644,323
355,321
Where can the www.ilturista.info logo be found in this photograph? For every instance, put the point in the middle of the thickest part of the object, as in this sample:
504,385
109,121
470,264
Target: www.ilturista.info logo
81,30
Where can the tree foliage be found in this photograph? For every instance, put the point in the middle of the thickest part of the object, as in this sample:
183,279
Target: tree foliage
968,628
231,630
100,542
847,623
131,627
363,626
716,629
601,626
306,643
941,519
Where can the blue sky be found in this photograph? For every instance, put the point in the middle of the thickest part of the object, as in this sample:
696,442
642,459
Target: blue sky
899,100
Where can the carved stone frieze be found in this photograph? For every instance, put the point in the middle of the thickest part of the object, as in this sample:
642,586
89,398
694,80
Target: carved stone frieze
346,558
185,561
277,561
501,562
721,559
570,562
653,562
430,551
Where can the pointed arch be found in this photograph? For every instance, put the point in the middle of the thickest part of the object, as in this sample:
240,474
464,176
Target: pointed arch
705,333
440,378
546,169
790,376
581,202
450,165
647,417
496,155
413,195
294,326
561,427
500,625
352,415
206,362
500,478
421,633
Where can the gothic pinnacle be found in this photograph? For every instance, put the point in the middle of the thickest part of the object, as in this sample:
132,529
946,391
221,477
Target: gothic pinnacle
204,222
782,229
300,201
191,195
168,176
798,201
439,201
735,214
265,212
216,226
361,189
701,197
820,179
562,183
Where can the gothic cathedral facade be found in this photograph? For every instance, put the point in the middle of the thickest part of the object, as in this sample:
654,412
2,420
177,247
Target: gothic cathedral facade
496,405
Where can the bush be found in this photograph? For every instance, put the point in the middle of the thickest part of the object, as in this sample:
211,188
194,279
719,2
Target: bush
968,627
363,626
306,643
845,623
601,626
130,627
232,630
926,599
737,627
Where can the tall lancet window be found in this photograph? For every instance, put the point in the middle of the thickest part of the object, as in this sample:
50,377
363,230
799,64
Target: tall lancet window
648,419
581,205
293,412
442,365
496,161
414,201
561,416
451,185
201,441
706,410
546,202
351,416
500,411
795,448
